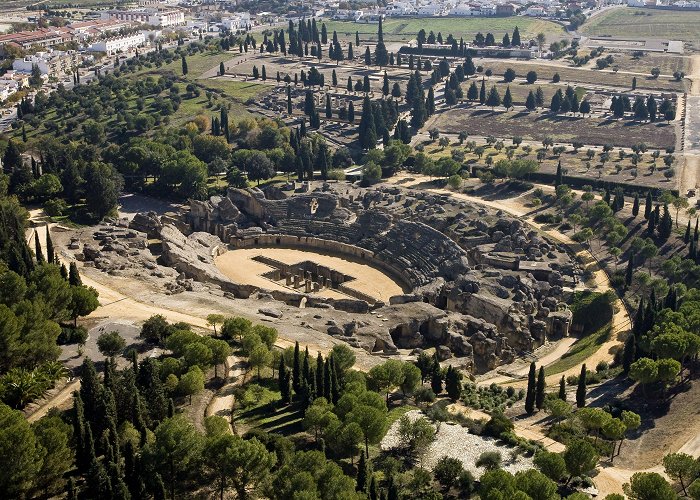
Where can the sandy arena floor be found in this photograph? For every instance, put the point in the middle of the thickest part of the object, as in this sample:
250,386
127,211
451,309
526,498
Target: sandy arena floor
241,268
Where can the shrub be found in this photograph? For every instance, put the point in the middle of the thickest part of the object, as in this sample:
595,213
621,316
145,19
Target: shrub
55,207
489,460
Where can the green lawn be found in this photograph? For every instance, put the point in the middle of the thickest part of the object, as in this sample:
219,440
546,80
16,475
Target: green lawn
407,29
645,23
580,351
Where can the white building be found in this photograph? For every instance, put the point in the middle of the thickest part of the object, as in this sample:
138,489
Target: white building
431,10
154,17
348,15
53,63
397,9
118,44
237,22
463,9
12,82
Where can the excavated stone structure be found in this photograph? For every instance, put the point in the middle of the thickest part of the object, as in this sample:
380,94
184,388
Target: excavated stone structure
478,284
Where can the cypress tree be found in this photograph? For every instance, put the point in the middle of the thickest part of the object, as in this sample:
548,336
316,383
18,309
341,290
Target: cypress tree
686,236
628,355
648,206
281,372
482,93
306,367
74,276
158,488
362,473
51,253
436,382
638,322
665,224
184,65
296,370
327,380
562,388
581,389
221,68
531,390
171,408
629,271
559,179
695,234
64,271
335,386
319,375
541,385
453,384
635,205
37,249
90,389
329,111
430,102
367,132
373,488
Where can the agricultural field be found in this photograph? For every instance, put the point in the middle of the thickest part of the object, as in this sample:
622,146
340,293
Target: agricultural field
536,126
646,23
575,164
582,75
406,29
667,63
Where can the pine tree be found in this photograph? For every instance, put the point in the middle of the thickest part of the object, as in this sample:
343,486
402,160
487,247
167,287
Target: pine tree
562,388
531,390
296,370
581,389
648,206
541,385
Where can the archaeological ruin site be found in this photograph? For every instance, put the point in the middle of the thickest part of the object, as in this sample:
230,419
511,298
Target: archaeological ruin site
386,269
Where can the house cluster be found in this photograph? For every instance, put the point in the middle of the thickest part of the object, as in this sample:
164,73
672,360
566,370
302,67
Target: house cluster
55,63
455,8
11,82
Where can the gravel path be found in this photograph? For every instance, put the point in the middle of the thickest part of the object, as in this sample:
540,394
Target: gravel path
455,441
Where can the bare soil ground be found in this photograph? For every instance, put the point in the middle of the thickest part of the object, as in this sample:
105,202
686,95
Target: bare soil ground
241,268
536,126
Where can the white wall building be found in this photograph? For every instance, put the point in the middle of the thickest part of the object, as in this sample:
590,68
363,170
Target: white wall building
154,17
118,44
237,22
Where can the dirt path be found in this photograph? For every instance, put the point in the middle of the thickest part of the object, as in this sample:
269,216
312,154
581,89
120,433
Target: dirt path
222,402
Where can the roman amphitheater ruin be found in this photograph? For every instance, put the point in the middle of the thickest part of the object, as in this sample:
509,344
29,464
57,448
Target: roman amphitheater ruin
386,269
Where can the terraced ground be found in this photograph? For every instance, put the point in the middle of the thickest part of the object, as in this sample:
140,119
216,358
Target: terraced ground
634,22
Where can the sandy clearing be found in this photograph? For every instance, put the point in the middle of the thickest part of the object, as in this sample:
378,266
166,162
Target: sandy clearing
241,268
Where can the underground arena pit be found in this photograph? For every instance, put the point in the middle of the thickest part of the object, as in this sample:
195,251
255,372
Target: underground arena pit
303,271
